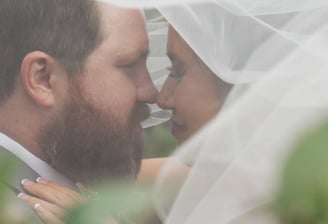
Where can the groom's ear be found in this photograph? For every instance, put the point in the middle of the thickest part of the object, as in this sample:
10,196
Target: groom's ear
41,75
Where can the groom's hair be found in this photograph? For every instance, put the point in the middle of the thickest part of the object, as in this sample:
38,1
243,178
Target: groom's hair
67,30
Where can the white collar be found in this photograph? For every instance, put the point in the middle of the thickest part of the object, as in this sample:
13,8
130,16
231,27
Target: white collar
35,163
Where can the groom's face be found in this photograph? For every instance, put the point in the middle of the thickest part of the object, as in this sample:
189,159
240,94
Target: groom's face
98,133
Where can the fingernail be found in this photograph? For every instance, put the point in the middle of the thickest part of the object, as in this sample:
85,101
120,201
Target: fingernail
41,180
26,182
22,196
39,208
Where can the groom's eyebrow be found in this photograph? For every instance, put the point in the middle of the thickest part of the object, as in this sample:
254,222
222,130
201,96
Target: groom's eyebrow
143,54
135,56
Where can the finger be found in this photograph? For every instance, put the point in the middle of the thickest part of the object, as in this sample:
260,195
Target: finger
62,196
55,210
68,191
46,216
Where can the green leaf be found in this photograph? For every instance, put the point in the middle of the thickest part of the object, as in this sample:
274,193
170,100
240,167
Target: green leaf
303,194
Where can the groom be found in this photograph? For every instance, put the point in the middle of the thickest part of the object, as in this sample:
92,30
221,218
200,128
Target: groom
73,90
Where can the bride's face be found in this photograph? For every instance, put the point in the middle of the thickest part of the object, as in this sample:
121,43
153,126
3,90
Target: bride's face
192,91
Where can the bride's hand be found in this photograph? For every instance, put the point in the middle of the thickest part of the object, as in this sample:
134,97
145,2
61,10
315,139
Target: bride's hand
50,200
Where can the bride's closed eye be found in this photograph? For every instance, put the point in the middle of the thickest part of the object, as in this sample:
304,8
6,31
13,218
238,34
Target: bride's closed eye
175,73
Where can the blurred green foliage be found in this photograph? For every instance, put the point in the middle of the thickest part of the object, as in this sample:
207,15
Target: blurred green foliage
10,213
7,167
124,203
159,141
303,194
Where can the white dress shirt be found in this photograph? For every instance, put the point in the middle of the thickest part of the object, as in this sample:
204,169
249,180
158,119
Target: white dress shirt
35,163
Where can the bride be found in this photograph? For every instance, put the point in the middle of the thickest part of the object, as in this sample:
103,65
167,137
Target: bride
275,56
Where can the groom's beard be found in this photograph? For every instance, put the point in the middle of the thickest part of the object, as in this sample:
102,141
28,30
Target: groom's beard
92,146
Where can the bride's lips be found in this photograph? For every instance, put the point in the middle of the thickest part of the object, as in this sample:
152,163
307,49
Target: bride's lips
177,129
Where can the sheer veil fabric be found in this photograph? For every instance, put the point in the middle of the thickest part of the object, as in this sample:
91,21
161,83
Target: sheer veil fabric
275,53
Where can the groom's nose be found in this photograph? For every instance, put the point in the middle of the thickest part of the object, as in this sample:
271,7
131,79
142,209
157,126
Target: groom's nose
146,90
